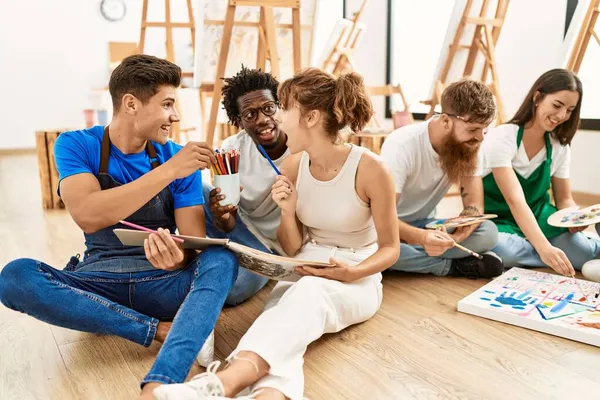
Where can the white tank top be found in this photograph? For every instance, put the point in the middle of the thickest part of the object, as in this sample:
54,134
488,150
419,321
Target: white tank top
332,211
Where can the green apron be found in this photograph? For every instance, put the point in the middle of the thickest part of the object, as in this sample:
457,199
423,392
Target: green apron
536,189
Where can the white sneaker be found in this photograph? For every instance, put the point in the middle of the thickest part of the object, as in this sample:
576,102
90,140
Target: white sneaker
202,386
207,352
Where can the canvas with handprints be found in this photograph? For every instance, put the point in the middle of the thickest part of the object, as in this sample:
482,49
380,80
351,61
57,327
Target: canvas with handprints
541,301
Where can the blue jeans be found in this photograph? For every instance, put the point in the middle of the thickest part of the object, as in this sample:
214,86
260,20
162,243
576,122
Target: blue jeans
129,305
516,251
247,283
415,259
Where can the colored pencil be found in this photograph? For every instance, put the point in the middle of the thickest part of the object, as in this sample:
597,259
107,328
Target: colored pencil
141,228
227,162
264,153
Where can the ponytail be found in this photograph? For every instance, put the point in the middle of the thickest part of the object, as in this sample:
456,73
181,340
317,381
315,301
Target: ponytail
343,101
352,105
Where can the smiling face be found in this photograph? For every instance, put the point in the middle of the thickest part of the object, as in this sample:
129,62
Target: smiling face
257,117
153,120
458,155
555,108
468,135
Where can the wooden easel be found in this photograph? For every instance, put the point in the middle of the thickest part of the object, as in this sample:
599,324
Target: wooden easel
341,54
169,25
583,38
267,46
487,31
373,135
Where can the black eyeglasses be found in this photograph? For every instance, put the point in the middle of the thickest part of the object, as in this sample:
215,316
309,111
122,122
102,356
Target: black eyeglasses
251,114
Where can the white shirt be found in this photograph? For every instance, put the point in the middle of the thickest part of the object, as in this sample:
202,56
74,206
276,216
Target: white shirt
500,150
417,171
257,209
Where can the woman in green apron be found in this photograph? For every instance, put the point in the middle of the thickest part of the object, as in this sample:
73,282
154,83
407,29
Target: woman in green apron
524,159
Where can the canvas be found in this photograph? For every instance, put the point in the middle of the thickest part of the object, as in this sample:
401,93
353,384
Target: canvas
554,304
244,42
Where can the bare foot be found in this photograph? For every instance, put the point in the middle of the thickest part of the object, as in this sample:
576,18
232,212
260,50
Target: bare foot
162,330
147,391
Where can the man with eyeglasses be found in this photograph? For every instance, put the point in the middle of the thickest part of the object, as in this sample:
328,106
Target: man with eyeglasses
426,159
250,101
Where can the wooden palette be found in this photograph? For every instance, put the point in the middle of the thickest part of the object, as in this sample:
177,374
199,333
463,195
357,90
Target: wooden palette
456,222
573,217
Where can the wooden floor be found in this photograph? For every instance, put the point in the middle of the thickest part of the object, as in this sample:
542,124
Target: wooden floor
417,347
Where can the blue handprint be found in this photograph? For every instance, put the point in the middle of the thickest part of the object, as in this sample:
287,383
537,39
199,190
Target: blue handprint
518,302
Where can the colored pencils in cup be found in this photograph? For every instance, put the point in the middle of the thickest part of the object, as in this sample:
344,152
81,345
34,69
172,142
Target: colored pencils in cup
264,153
141,228
228,162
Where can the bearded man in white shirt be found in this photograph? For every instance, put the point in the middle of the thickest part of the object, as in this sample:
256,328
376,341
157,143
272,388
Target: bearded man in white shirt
426,159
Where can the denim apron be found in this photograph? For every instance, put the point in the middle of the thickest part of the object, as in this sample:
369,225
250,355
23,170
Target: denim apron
104,251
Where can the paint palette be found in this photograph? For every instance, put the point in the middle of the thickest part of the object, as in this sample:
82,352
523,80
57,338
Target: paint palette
541,301
573,217
456,222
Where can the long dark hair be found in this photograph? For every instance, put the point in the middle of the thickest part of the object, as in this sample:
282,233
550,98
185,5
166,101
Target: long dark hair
552,81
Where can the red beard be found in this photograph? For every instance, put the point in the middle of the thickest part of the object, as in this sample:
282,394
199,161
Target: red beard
458,159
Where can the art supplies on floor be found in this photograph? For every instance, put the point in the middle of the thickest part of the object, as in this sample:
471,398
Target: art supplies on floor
554,304
456,222
572,217
269,265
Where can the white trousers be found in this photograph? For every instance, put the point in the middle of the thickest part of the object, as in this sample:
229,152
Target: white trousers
298,313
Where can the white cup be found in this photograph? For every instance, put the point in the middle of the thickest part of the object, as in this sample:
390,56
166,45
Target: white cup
230,188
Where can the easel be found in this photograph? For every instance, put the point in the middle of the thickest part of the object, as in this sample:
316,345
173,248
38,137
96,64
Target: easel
267,46
169,25
373,135
487,31
341,54
583,38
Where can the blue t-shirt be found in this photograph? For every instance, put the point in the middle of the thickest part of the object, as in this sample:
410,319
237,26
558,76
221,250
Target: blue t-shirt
78,152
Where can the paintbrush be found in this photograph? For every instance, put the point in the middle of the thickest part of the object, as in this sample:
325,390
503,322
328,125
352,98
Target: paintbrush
463,248
579,286
471,252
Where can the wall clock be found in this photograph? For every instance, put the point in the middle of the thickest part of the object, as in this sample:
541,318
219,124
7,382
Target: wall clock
113,10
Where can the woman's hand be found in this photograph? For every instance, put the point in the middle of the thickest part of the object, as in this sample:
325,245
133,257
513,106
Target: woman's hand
556,259
575,229
339,272
284,194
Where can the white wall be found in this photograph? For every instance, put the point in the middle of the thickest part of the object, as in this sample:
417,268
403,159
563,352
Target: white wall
53,54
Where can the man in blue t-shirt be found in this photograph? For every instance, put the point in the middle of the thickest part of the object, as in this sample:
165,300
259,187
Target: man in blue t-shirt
130,171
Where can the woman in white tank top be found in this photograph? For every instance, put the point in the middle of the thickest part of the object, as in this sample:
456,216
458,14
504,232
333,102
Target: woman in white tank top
337,204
